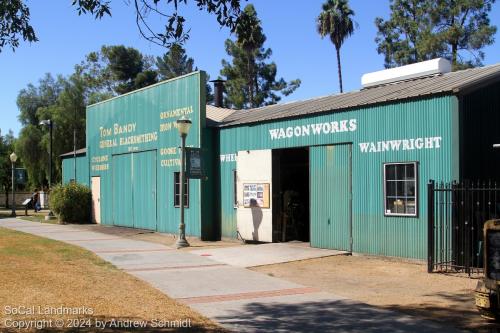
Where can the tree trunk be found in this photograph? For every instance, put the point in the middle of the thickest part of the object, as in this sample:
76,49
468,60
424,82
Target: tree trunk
339,69
454,46
250,81
7,197
454,51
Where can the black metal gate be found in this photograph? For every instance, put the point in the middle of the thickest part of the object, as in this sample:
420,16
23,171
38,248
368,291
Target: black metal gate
456,215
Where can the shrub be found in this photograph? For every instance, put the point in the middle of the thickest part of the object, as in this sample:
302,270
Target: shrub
71,202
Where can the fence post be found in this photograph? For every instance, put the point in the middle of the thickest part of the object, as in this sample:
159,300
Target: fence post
430,226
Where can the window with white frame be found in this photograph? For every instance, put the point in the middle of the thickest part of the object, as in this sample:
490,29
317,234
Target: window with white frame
400,189
177,190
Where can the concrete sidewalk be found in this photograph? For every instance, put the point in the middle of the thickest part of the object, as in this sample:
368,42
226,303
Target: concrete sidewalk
239,299
266,254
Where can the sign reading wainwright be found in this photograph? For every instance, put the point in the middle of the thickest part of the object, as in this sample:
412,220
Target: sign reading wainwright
314,129
402,144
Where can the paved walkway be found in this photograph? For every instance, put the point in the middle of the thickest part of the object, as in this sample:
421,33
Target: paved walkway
266,254
237,298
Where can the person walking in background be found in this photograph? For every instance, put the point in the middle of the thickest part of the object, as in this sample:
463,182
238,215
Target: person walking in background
36,201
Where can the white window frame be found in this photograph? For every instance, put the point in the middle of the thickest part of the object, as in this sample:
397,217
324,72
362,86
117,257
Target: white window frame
415,166
177,190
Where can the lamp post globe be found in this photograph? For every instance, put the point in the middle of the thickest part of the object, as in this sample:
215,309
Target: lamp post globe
183,125
13,159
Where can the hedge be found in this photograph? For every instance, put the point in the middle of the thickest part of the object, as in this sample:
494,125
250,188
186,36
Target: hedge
71,202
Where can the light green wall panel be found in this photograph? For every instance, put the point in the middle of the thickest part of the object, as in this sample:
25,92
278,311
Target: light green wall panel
122,200
330,204
82,170
144,189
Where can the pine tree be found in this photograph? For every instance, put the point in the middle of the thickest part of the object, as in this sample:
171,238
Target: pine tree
419,30
250,81
175,63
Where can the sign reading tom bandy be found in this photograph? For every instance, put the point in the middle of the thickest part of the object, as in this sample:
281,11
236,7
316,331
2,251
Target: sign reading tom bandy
145,119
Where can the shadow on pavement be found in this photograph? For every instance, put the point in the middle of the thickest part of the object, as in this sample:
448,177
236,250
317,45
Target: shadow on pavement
463,316
326,316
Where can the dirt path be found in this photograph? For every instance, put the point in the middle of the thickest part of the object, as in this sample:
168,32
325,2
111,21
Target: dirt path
392,284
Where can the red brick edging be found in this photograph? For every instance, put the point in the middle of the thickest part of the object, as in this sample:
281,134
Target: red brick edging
171,267
249,295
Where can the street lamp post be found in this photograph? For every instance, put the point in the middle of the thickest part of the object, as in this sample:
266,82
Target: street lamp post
13,159
50,124
183,125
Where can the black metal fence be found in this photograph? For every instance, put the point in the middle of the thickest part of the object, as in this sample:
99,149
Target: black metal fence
456,215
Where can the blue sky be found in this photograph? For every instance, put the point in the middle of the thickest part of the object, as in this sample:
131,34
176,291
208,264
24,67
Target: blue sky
65,38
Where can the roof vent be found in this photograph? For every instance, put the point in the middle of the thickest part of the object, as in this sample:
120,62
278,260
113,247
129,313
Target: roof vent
419,69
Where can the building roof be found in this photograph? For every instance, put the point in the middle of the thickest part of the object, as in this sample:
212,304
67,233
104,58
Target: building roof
450,83
77,152
215,115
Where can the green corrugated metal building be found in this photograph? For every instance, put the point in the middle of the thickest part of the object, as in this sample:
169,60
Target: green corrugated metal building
346,171
75,167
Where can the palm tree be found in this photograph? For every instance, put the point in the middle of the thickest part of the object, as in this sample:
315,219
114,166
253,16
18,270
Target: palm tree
335,20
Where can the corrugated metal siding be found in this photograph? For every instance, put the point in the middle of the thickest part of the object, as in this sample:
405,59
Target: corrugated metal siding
122,200
330,206
228,210
82,170
144,108
393,92
372,231
144,189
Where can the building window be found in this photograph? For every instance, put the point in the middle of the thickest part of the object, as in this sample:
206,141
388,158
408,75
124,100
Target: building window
235,189
177,190
400,188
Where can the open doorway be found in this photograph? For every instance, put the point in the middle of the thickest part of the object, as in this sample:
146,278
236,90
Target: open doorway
291,194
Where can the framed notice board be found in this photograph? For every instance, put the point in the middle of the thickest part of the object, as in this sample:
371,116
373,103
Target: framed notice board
194,163
256,195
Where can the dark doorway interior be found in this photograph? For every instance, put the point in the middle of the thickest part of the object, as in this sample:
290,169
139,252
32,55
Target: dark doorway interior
291,195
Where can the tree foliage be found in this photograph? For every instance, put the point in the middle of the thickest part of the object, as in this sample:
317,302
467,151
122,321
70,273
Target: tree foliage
250,81
419,30
176,63
111,71
15,18
6,148
117,70
31,101
335,21
15,24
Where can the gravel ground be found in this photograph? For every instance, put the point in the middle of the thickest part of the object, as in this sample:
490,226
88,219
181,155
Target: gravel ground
391,284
